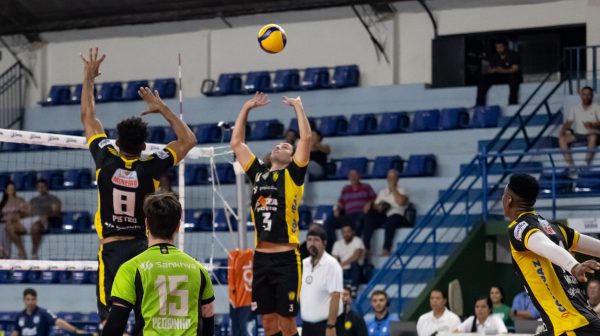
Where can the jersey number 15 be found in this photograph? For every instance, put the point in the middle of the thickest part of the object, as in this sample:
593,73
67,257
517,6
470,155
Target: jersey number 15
167,287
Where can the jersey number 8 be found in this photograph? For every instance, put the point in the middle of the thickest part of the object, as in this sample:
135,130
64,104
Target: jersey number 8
171,282
123,202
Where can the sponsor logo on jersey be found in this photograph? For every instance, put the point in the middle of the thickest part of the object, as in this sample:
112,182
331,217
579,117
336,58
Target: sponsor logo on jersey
146,266
125,178
292,296
104,143
519,229
547,227
348,325
266,204
275,177
162,154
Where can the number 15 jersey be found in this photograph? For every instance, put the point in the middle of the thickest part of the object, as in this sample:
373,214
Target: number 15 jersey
122,186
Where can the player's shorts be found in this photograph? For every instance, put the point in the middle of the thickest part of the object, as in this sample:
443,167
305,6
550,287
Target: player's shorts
110,257
592,329
29,221
276,283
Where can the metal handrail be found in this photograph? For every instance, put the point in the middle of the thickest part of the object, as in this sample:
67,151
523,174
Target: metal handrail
13,92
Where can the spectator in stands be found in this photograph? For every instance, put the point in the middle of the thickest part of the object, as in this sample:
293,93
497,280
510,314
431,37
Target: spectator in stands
44,211
504,68
380,325
582,125
355,200
34,320
387,211
14,209
523,308
500,309
4,240
317,167
349,251
354,325
483,321
593,293
440,318
291,137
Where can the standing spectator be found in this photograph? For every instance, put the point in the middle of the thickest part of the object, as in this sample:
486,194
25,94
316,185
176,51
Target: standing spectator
440,318
4,239
483,321
504,68
355,200
387,211
37,321
582,125
523,308
322,285
318,156
593,293
44,210
349,251
354,325
500,309
14,208
380,325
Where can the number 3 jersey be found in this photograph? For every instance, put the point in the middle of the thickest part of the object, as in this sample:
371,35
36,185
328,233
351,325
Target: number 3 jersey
276,196
122,186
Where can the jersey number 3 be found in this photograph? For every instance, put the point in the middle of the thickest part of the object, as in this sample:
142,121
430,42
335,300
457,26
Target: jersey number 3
267,221
171,283
123,202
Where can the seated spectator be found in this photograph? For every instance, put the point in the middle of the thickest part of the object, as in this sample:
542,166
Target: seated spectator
593,293
483,321
439,319
387,212
354,325
317,166
14,209
523,308
504,68
500,309
581,125
349,251
380,325
355,200
44,210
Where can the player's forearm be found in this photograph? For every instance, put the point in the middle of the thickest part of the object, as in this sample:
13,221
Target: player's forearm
87,99
238,135
64,325
117,320
303,124
588,245
541,245
333,308
182,131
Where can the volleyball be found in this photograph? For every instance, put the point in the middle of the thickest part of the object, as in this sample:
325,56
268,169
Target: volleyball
271,38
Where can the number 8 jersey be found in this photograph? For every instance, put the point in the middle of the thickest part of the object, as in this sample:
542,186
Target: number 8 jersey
276,196
122,186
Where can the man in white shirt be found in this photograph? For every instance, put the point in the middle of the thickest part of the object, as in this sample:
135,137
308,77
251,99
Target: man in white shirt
322,285
439,319
387,211
582,125
349,251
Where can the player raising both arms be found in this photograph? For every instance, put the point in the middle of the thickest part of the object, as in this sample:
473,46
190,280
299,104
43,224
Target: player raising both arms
124,178
540,252
276,195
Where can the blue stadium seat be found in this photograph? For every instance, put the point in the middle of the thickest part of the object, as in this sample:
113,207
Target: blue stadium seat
359,163
79,178
426,120
362,124
14,147
131,91
294,124
208,133
192,220
166,87
204,222
382,164
55,179
228,83
42,277
266,130
75,277
285,80
76,95
69,224
4,179
322,213
305,217
315,78
257,81
169,134
83,222
225,173
197,174
393,122
454,118
485,116
18,276
219,273
333,125
58,95
345,76
109,92
24,181
563,185
420,165
588,181
157,134
220,221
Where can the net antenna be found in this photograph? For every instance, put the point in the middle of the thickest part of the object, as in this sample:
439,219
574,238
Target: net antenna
181,169
373,18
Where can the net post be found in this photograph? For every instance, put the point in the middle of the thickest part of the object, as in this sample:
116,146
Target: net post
241,206
181,168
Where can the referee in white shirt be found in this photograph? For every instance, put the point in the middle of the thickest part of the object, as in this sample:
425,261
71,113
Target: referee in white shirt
322,285
439,319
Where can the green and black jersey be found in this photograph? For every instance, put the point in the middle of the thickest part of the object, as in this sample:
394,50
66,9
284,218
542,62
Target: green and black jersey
166,288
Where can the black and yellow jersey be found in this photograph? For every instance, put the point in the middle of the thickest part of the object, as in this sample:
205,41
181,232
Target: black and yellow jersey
554,291
276,196
122,186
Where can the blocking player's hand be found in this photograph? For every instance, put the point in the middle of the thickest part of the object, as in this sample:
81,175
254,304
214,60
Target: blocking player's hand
155,104
293,102
91,66
588,266
259,99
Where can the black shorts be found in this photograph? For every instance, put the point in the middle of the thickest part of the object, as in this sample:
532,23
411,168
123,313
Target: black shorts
110,257
276,283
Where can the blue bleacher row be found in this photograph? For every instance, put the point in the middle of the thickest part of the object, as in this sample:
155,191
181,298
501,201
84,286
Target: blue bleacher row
109,91
315,78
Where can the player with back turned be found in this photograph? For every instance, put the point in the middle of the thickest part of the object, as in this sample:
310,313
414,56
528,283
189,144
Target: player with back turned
124,177
276,196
